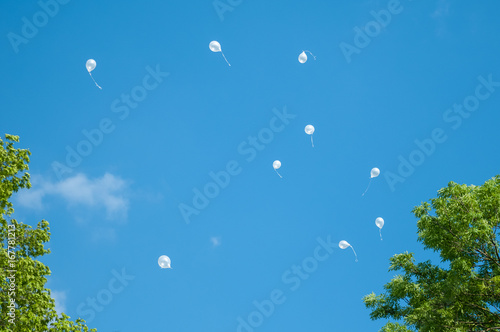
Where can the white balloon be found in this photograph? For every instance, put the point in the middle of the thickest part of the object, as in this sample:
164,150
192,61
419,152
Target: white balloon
90,65
379,222
344,244
303,57
215,46
309,129
374,172
276,165
164,262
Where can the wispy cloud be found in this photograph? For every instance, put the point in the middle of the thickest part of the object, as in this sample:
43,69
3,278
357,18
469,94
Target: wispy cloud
108,192
215,241
442,9
440,15
60,300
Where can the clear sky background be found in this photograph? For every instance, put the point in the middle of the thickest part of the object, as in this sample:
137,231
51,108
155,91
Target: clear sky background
113,203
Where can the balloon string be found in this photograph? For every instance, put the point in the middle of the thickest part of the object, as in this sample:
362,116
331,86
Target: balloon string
380,234
94,80
225,58
354,254
312,141
367,187
310,53
277,173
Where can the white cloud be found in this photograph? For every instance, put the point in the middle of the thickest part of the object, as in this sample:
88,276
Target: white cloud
107,192
60,300
215,241
31,198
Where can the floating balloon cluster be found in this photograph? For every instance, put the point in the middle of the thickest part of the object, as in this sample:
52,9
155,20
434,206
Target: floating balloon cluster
379,222
164,261
309,131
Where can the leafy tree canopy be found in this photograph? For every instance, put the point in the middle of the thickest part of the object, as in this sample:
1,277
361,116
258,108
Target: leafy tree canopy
25,303
462,225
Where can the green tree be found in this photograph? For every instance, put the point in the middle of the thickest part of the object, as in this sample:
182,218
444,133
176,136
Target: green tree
25,303
463,292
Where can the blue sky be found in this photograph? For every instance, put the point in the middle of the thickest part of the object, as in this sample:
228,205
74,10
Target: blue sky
416,95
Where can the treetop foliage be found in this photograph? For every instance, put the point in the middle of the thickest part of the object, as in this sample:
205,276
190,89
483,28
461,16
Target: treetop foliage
25,303
461,224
